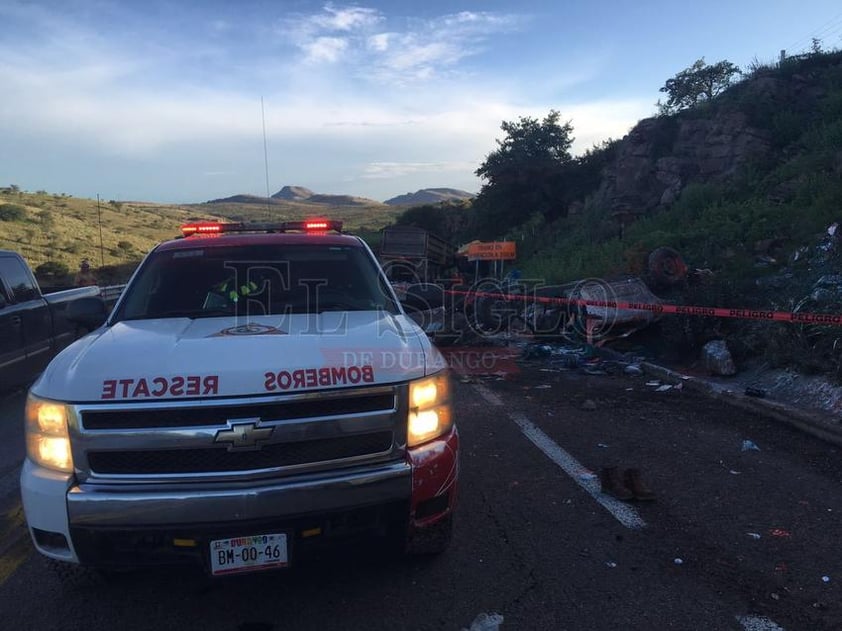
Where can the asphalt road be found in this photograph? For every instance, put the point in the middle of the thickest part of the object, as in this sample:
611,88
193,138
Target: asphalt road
735,539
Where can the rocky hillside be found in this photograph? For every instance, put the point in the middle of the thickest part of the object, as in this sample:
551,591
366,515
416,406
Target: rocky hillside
753,123
747,188
661,156
429,196
759,164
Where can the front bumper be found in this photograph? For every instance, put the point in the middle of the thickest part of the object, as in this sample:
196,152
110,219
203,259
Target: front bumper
119,524
83,514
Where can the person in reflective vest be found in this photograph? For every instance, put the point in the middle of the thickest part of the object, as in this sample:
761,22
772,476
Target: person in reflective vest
229,289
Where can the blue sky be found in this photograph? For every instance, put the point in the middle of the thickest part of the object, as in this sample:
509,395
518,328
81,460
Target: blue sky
161,101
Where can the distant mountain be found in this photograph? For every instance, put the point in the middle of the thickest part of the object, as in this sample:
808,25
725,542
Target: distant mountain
301,195
429,196
341,200
294,194
239,199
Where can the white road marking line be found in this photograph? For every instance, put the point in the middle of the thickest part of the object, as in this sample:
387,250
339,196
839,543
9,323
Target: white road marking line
488,395
758,623
581,475
621,511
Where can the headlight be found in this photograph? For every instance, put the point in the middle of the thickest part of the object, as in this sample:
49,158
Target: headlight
429,409
47,438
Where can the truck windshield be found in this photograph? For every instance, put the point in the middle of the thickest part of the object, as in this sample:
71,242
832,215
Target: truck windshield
255,280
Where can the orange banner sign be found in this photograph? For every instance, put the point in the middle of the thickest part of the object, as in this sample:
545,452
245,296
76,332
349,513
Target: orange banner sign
492,251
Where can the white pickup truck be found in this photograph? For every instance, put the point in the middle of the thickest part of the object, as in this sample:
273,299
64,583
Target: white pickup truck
256,390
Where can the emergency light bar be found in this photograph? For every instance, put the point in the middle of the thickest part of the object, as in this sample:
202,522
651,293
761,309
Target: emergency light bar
206,227
318,226
313,225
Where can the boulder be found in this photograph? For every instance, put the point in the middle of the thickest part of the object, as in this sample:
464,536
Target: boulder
828,289
717,358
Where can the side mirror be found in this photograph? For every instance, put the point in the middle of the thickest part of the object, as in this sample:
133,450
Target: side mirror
89,312
3,302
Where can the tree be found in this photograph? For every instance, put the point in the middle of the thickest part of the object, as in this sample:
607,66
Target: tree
700,82
449,220
525,174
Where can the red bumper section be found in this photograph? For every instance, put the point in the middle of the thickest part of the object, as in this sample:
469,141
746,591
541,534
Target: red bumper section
435,475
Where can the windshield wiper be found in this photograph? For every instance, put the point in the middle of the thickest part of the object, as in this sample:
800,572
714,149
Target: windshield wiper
342,305
189,313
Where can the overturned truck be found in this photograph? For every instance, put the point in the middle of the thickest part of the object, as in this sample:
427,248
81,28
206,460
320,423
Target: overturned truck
410,254
592,310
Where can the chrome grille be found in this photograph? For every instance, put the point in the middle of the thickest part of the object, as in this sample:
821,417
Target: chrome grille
195,417
220,459
167,441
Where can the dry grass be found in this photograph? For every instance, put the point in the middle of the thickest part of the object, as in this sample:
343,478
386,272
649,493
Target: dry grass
66,229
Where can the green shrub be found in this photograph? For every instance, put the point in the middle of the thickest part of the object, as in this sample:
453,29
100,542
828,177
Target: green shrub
787,127
831,105
51,270
12,212
695,198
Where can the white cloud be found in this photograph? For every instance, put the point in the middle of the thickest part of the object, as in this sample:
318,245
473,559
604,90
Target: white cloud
325,49
483,22
380,42
346,19
418,51
318,35
425,54
437,45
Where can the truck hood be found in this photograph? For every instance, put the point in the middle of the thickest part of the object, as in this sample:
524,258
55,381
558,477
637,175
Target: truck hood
179,358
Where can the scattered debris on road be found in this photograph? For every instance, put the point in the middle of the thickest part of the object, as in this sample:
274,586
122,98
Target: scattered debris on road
589,405
486,622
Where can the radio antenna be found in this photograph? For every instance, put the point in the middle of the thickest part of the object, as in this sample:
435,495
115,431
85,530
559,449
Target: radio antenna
265,154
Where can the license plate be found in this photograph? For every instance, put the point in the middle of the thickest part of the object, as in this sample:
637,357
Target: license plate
248,554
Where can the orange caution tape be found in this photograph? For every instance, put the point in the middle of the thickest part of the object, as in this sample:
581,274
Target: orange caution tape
714,312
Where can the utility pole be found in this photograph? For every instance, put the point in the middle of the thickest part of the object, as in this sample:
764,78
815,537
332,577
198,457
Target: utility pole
265,155
101,248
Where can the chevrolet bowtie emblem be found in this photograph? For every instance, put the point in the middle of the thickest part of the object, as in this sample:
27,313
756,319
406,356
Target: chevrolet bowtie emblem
244,436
